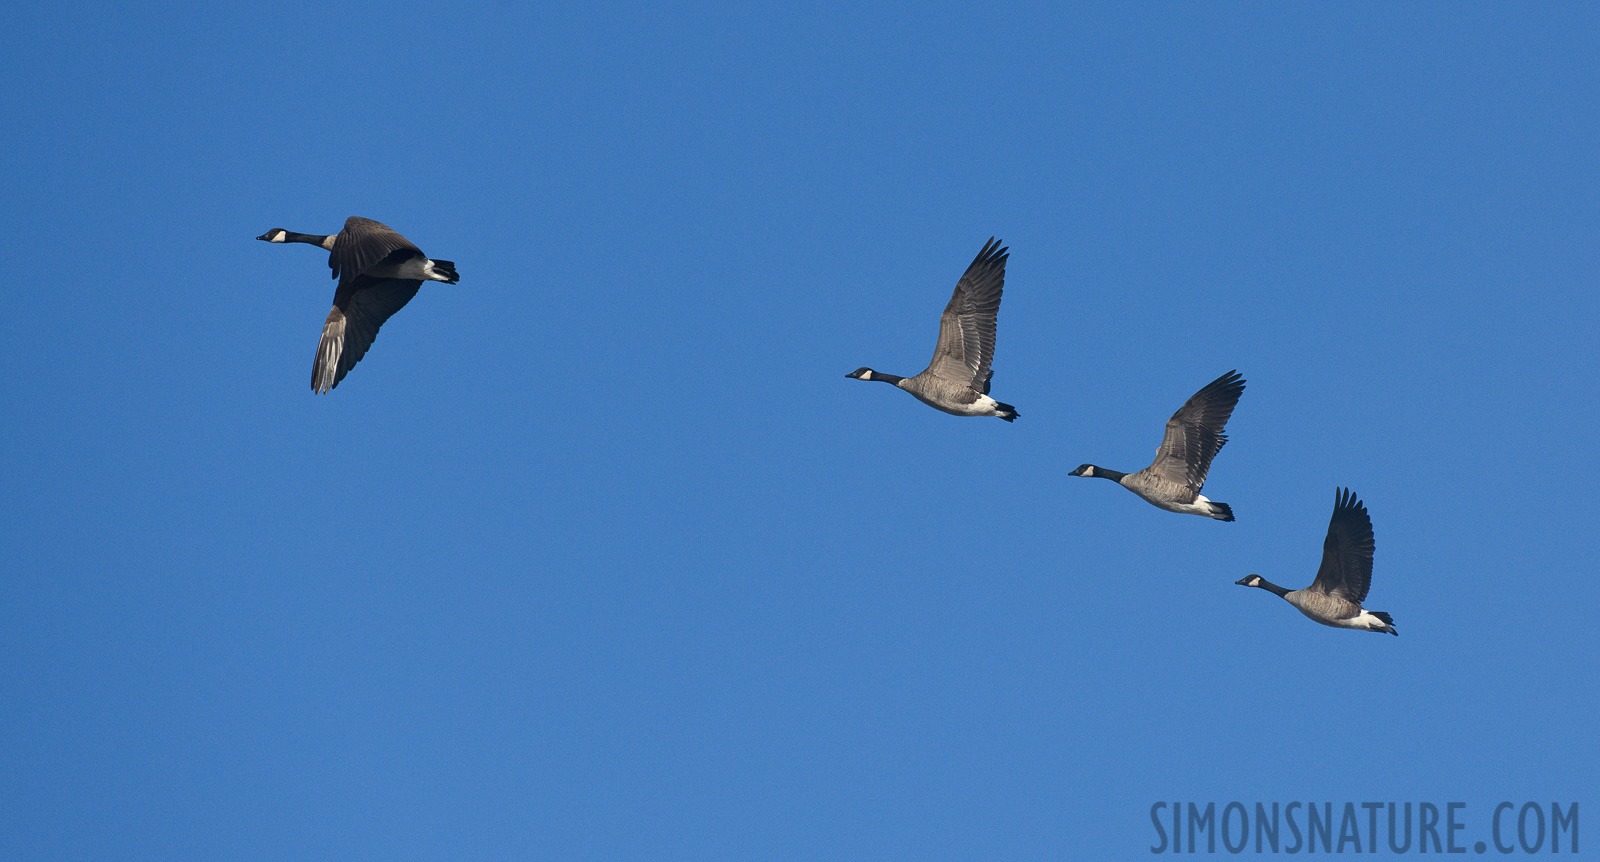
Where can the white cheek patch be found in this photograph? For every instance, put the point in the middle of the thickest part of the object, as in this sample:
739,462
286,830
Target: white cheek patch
866,375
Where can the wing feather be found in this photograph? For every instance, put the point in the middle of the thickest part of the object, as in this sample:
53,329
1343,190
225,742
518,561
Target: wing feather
967,328
1195,433
363,244
1346,569
360,307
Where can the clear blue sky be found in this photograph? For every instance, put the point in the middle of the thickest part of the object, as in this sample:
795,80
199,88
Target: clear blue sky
598,555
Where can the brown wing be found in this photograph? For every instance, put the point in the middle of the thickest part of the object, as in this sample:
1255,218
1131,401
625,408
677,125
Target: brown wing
1194,433
359,308
362,244
1346,569
967,327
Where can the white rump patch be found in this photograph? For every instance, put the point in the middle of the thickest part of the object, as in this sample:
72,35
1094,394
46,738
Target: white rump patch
1365,620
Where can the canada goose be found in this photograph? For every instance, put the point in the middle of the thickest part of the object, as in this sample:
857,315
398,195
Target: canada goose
378,271
1334,598
957,380
1194,437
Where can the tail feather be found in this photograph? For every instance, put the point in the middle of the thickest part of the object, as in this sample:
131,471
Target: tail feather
1005,411
446,268
1221,511
1387,620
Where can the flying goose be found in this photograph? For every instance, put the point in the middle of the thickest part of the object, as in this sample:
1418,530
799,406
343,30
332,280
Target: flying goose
957,380
378,271
1334,598
1194,437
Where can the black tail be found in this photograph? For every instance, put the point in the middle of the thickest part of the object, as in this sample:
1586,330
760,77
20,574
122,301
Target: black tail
1221,511
1005,411
1387,620
446,268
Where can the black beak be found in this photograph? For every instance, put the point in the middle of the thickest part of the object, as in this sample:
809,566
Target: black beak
265,235
1244,581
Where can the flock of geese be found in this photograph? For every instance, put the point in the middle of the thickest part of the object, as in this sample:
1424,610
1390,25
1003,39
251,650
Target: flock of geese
379,271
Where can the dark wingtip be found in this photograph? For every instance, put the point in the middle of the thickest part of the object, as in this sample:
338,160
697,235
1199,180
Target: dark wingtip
994,251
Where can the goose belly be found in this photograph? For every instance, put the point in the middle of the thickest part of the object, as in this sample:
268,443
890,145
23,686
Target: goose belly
1330,610
952,400
1167,495
984,406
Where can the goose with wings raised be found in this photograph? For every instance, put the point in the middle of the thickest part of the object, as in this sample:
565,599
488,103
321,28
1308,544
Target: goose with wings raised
379,271
957,380
1335,597
1194,437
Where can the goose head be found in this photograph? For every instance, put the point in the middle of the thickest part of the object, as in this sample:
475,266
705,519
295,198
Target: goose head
1083,470
277,234
1249,581
862,373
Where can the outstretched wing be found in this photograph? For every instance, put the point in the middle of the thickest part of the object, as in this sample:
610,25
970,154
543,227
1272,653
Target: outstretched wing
967,327
361,245
1194,433
359,308
1347,552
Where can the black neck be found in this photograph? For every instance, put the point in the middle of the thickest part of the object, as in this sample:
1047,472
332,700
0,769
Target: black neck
310,239
887,378
1273,588
1103,473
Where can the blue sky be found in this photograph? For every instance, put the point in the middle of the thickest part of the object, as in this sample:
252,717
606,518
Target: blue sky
598,555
